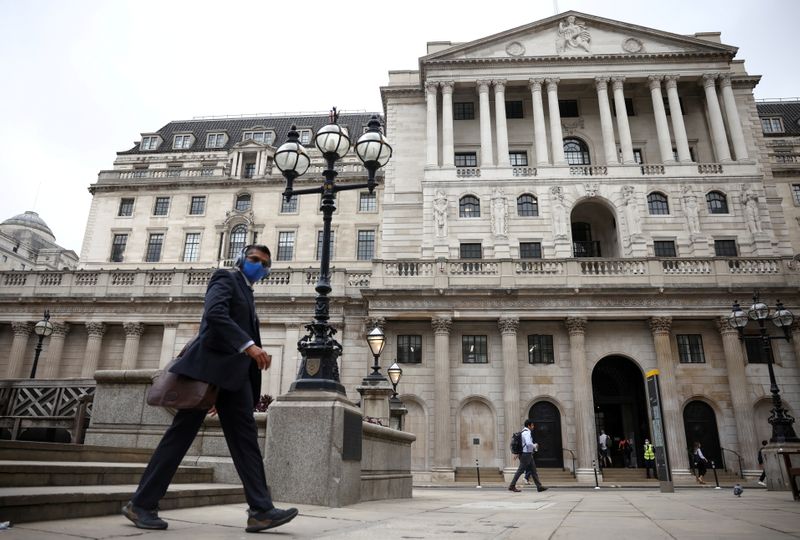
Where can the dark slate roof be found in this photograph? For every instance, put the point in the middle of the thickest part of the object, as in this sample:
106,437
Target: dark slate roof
788,110
355,122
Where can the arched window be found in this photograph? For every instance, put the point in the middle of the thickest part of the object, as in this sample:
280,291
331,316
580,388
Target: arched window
576,152
243,202
527,205
717,203
469,206
657,204
237,241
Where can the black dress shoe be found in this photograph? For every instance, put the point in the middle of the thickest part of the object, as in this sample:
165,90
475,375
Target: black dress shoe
541,488
261,521
143,519
515,489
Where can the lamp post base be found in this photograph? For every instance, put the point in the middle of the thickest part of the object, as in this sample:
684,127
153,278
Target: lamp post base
318,384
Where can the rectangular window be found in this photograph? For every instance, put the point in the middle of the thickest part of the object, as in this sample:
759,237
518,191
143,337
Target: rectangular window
161,207
367,202
463,111
637,156
249,170
149,143
568,108
198,205
466,159
191,248
755,350
514,109
263,137
473,350
471,251
664,248
118,247
366,245
540,349
690,349
518,159
409,349
725,248
215,140
318,253
796,193
691,154
154,245
530,250
628,107
172,172
285,245
125,207
290,206
772,125
182,141
305,136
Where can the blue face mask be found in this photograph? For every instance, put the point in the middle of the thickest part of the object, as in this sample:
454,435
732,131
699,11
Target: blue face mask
254,271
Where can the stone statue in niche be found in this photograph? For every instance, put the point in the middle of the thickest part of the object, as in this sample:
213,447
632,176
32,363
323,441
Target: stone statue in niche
632,217
440,213
691,209
559,212
573,34
499,213
750,204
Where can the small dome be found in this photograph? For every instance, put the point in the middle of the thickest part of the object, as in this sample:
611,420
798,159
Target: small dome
30,220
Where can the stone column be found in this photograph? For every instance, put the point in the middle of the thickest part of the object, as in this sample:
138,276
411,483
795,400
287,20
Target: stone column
718,136
448,151
676,114
539,128
734,122
556,136
673,419
740,395
168,344
606,122
487,154
91,357
583,400
432,124
16,358
443,422
503,159
508,331
623,127
55,349
662,127
133,332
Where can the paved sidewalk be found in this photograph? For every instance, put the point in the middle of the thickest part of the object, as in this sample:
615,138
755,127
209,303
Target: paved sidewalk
477,514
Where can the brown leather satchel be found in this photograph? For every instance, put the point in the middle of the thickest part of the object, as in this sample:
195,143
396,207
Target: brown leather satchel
179,391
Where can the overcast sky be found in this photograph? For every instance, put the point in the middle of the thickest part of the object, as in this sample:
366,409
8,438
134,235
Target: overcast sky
82,79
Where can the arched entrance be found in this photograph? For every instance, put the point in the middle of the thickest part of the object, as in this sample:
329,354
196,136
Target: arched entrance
477,435
594,230
547,432
620,405
416,423
700,423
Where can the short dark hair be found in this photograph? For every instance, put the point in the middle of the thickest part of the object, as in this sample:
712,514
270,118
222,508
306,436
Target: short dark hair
763,443
260,247
528,422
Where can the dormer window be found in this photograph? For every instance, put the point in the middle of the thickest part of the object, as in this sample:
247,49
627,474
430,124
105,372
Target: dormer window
305,136
772,125
215,140
182,142
150,142
262,137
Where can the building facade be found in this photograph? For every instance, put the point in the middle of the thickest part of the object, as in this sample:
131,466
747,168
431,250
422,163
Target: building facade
570,205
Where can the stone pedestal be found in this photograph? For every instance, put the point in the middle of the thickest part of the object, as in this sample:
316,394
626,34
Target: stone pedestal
375,399
777,477
313,449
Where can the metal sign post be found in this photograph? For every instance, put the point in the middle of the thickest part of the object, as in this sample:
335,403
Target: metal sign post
659,441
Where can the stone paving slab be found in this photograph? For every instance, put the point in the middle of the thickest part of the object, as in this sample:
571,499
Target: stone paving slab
480,514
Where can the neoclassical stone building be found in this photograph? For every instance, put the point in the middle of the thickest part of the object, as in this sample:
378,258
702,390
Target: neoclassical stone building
571,204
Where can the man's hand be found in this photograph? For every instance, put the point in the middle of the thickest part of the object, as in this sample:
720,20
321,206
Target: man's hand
262,359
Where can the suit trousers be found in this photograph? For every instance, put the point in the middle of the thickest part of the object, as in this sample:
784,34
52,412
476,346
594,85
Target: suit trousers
235,411
526,465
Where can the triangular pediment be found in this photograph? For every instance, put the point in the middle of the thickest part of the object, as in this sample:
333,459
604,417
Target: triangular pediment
574,35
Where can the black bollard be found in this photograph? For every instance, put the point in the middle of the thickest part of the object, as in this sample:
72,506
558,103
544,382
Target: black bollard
716,480
478,470
596,482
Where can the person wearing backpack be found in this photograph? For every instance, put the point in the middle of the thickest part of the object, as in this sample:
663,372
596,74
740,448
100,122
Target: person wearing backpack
525,455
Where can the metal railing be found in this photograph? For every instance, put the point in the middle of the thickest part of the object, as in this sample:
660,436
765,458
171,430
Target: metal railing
738,457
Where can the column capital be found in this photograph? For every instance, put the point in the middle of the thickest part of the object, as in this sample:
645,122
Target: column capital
576,326
535,83
654,81
61,329
375,322
724,80
660,325
133,329
508,325
724,326
21,328
601,83
483,85
442,325
552,82
671,81
432,87
709,80
447,87
499,85
617,82
95,329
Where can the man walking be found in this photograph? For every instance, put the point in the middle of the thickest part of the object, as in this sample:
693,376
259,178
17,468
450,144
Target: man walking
761,465
603,441
228,354
526,460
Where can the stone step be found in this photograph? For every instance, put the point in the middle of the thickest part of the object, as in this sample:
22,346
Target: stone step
41,503
44,451
69,473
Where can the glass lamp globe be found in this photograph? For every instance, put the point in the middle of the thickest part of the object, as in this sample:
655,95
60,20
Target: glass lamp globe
292,157
737,318
782,317
43,328
372,147
758,311
376,340
395,373
332,140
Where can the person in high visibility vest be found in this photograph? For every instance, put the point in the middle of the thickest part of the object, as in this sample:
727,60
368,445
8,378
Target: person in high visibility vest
649,458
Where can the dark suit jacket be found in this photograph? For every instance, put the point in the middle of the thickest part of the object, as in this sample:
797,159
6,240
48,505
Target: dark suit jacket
229,321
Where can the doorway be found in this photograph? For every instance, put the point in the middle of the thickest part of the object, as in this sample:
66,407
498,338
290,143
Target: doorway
700,424
547,432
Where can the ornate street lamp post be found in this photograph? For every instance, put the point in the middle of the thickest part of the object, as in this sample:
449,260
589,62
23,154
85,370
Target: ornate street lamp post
319,349
395,373
376,340
781,420
43,329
